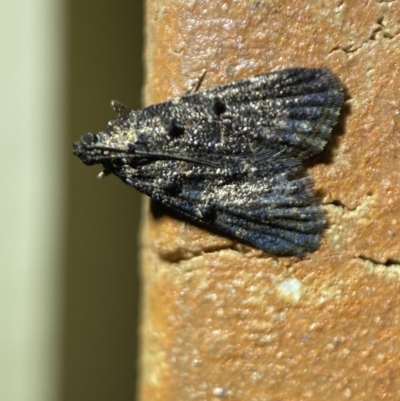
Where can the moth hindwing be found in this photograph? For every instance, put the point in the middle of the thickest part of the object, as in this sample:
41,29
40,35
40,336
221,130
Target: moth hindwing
230,157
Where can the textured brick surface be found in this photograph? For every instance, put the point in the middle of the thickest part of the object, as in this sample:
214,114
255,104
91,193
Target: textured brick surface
224,320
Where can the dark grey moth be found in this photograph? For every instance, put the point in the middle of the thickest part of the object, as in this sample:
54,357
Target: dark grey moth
230,157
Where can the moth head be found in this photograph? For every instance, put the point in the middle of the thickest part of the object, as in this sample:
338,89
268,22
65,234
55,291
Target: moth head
111,148
85,148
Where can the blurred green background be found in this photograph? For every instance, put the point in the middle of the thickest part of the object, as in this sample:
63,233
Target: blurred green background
105,43
68,255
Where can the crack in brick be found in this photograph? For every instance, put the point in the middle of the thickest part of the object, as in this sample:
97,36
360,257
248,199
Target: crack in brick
373,37
391,262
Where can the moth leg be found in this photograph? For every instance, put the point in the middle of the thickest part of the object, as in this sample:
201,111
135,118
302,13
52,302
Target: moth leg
103,174
196,85
120,108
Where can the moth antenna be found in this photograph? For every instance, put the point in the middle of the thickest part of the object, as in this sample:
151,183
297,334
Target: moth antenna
196,85
329,256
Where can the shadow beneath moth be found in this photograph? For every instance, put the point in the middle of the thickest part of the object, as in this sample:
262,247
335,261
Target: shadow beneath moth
230,157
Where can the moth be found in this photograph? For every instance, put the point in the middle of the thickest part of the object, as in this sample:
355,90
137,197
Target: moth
230,157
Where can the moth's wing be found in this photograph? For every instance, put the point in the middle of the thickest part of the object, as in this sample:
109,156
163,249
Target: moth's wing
273,214
293,109
279,216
